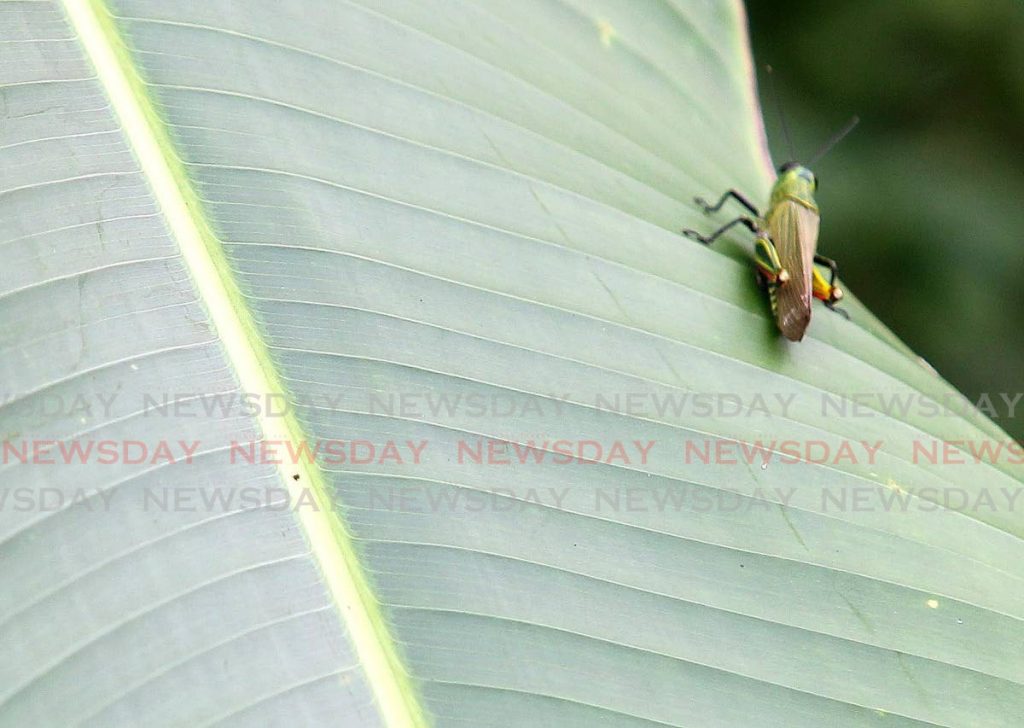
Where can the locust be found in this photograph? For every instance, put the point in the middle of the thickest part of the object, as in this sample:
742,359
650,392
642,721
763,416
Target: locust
786,240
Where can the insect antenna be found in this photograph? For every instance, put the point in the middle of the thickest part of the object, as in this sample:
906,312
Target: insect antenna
836,138
782,117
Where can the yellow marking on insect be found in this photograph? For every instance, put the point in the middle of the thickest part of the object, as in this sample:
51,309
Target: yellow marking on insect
932,603
607,31
801,201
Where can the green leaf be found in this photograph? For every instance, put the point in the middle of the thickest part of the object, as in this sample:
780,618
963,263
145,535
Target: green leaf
447,234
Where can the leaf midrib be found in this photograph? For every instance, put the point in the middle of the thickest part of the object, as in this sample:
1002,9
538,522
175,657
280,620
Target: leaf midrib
245,351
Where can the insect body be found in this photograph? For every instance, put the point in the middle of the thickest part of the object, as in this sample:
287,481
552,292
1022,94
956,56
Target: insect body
785,248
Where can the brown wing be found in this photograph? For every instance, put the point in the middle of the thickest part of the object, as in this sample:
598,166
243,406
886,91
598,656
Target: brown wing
794,230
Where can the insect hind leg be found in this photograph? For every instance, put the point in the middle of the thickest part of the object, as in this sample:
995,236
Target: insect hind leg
769,266
708,209
830,264
828,291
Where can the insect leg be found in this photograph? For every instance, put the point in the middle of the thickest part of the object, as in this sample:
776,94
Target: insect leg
827,291
708,209
708,239
830,264
768,264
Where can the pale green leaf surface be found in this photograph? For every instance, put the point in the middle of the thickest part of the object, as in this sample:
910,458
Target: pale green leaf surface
483,199
137,615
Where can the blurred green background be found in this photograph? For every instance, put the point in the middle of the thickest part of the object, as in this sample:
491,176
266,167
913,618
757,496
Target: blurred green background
923,204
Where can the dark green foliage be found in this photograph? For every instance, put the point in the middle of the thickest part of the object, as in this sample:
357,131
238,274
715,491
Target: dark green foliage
924,204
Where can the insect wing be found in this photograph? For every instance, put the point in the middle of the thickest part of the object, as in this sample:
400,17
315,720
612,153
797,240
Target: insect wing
794,230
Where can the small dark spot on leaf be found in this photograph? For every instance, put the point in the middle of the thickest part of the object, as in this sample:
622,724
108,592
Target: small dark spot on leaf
295,477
